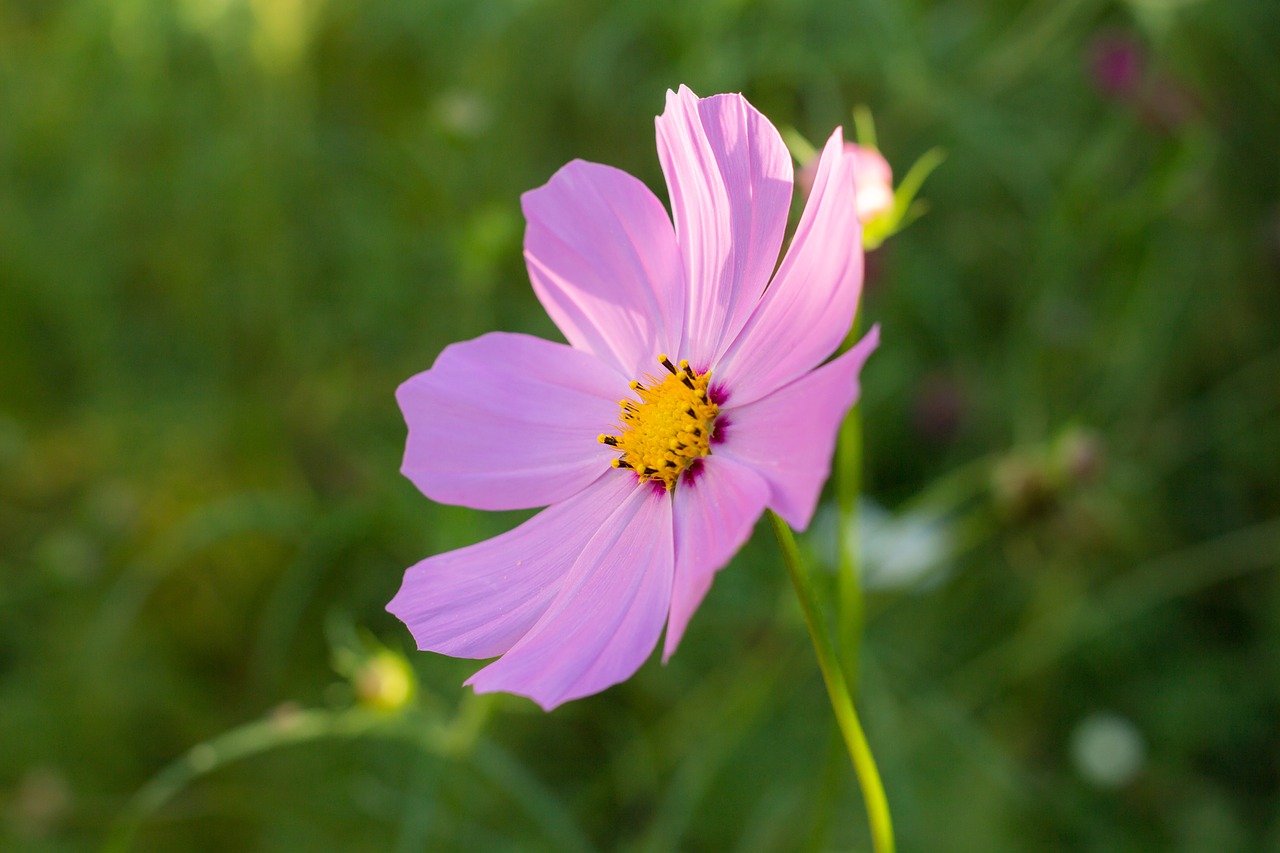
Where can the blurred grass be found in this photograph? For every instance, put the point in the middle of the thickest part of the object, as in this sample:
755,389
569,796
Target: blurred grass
229,229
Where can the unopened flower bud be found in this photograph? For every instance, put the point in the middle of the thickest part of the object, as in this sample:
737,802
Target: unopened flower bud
872,180
384,682
1080,456
881,209
1021,488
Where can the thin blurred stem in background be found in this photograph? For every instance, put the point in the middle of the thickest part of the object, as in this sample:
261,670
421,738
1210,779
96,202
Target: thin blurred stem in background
459,739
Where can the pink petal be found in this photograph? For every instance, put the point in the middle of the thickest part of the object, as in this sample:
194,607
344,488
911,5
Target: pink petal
508,422
603,260
788,437
808,309
476,602
715,513
729,176
608,614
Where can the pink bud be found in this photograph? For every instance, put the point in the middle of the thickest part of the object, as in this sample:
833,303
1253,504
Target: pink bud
872,180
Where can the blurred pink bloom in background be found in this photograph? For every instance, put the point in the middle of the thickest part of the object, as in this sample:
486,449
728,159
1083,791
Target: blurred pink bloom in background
872,180
1121,69
1117,64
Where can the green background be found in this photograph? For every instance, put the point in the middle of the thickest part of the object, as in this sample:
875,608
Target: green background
229,229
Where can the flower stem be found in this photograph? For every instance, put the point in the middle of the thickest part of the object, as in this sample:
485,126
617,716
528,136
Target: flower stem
848,483
864,764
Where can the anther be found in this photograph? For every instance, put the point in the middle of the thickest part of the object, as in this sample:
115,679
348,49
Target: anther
663,426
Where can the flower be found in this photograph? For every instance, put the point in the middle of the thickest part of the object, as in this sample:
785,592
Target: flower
688,399
384,681
872,180
1117,64
1121,69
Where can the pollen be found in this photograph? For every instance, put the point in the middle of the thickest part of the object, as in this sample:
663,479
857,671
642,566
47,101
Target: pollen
670,427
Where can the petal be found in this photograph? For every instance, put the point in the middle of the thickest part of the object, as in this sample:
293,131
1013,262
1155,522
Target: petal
608,614
729,176
715,513
476,602
808,309
508,422
603,260
788,437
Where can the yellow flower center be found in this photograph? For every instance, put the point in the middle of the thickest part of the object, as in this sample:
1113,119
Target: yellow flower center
671,426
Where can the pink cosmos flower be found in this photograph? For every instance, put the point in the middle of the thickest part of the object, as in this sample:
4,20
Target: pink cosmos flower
688,399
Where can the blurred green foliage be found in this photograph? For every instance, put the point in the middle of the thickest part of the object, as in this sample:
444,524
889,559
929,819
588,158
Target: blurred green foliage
229,228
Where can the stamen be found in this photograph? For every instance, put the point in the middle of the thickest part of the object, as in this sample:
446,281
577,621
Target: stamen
667,430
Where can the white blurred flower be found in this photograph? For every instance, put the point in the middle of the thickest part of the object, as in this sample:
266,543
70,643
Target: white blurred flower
895,551
1107,749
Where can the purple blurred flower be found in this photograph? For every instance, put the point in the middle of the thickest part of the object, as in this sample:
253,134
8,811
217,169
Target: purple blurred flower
1117,64
939,408
1120,68
724,408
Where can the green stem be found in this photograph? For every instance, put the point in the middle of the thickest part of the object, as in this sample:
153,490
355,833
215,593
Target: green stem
848,485
864,127
864,764
801,149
